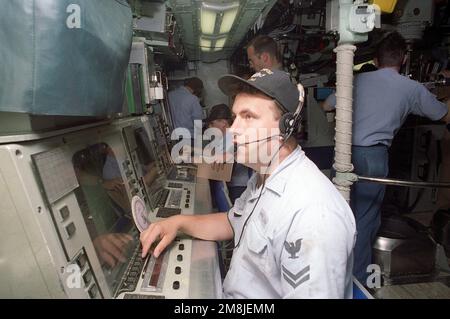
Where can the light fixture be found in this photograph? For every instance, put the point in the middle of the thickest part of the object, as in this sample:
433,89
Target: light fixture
208,21
228,20
216,22
208,44
205,44
220,43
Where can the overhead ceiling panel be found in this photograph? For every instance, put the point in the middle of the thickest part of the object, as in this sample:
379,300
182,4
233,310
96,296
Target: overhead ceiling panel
188,16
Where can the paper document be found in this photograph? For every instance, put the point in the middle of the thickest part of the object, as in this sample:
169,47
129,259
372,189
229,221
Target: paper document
218,172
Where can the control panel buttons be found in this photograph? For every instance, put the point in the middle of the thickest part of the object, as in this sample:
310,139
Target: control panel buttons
125,164
93,292
87,277
81,261
135,269
70,230
64,213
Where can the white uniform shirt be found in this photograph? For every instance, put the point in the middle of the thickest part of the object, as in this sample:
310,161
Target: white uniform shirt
298,243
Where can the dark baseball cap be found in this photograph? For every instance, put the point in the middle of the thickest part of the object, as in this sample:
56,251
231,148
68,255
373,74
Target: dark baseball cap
219,112
273,83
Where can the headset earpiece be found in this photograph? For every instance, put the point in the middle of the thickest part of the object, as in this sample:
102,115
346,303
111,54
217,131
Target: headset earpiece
286,124
289,121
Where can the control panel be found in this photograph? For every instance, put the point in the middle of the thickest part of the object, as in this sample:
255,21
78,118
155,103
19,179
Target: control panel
164,277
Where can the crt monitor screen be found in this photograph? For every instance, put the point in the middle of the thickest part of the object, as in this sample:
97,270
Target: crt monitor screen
150,172
106,208
144,149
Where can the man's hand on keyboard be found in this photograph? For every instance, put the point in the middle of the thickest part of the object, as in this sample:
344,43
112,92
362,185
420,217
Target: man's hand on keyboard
164,230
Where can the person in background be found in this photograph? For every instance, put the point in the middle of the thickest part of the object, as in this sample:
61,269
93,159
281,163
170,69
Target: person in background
185,107
263,53
382,101
220,117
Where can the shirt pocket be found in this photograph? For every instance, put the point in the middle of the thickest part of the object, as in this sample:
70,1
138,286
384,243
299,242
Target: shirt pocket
257,250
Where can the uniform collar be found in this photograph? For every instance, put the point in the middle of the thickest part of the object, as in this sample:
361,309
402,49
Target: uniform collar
278,179
388,70
183,88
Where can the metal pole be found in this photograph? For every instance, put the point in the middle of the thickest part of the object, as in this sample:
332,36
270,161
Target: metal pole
344,101
398,182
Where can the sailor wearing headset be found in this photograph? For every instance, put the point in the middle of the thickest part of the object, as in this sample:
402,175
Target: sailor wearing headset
293,232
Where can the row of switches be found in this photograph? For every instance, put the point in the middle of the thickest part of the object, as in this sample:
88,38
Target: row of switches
176,284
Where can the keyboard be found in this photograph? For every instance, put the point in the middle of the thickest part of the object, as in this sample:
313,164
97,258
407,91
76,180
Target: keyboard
163,197
175,198
131,275
175,185
164,212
